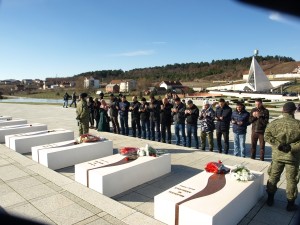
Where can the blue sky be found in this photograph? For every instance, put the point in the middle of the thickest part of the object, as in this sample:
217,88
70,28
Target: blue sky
49,38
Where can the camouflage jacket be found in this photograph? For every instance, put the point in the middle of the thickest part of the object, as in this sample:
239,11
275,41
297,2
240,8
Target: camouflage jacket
284,131
82,111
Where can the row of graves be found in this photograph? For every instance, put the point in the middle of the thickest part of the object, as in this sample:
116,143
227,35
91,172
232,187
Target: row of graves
219,195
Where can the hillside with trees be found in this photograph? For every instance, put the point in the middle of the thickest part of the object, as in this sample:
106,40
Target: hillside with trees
231,69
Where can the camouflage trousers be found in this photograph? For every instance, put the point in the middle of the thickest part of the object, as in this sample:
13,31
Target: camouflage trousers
292,178
83,127
210,138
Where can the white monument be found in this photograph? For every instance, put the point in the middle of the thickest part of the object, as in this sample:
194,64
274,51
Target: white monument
257,79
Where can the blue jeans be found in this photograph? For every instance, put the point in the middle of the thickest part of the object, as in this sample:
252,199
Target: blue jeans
65,103
180,128
124,125
146,129
239,144
191,129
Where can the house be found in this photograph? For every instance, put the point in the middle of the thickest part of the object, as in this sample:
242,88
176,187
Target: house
112,88
127,85
156,91
171,84
27,81
91,83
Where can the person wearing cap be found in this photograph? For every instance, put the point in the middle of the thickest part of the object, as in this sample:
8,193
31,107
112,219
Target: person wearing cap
178,113
154,109
240,122
207,124
166,120
83,115
284,136
223,118
123,112
192,115
135,117
145,119
259,117
113,113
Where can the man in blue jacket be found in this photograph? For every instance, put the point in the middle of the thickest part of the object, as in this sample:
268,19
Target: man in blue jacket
240,121
223,118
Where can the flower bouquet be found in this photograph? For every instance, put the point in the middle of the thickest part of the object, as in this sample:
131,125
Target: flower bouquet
150,151
88,138
216,167
129,152
241,173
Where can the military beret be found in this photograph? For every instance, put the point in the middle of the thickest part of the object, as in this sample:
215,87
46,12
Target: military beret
289,107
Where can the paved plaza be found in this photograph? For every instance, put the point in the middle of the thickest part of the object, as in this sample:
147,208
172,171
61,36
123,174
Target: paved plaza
33,191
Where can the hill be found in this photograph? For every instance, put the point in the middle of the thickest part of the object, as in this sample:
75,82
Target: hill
227,69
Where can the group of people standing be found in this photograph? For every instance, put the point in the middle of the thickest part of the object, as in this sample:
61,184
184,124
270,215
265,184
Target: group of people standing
152,120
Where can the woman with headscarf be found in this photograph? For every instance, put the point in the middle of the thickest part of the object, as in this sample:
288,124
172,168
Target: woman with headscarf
104,118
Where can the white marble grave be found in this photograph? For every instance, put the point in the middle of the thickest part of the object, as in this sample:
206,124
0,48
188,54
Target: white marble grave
6,118
15,121
180,205
67,153
22,143
22,128
111,176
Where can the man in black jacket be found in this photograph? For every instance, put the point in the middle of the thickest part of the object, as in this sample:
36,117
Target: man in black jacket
145,121
113,113
223,118
135,116
192,114
154,109
178,113
259,117
166,120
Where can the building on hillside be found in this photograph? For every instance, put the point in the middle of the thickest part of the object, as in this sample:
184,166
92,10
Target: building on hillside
27,81
10,81
156,91
171,84
118,82
128,85
91,83
112,88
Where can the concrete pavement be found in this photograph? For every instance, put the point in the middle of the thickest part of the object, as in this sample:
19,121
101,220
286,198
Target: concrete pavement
34,191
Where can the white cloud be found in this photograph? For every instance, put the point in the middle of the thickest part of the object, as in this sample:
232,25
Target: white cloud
275,16
136,53
278,17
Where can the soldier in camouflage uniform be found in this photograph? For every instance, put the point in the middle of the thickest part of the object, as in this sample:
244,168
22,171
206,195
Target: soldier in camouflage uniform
284,136
82,112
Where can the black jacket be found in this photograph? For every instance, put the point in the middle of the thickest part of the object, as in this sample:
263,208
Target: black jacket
113,112
134,109
223,124
144,112
179,117
192,118
259,124
166,114
154,109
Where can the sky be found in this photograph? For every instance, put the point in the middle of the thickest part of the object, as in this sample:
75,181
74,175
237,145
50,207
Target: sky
62,38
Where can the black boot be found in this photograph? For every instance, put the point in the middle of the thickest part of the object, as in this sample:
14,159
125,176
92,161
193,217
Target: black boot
291,206
270,200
